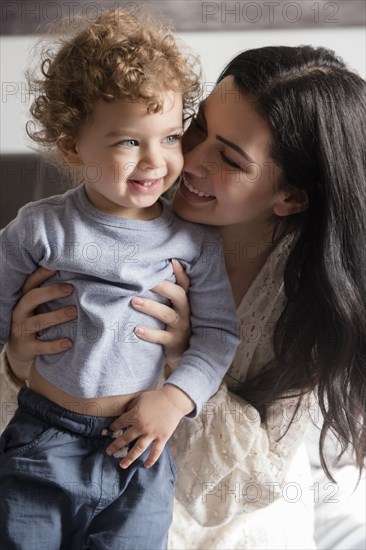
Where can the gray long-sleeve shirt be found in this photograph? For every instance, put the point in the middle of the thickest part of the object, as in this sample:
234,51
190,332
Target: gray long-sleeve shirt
109,260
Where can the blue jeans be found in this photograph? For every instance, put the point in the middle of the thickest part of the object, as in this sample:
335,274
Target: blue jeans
60,490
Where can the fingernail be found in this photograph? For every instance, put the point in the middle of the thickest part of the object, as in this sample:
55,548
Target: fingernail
138,301
121,453
71,312
117,433
139,330
66,344
67,289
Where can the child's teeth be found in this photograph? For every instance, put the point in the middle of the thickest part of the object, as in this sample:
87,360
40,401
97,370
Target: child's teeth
146,183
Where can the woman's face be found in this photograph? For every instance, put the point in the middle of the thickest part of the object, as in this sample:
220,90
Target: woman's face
229,177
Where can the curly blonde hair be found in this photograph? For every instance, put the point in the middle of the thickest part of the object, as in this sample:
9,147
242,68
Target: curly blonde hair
119,56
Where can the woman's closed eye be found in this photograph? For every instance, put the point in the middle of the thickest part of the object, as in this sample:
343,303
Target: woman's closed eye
229,162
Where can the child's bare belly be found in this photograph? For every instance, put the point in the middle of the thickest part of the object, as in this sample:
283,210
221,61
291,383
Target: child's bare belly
113,405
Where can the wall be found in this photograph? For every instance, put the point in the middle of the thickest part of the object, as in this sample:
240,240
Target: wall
215,49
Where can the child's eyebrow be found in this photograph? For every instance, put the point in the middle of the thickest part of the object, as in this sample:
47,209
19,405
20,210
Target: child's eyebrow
130,132
116,133
174,129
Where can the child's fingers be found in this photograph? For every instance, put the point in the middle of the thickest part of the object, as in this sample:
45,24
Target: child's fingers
118,448
156,450
122,438
125,420
136,451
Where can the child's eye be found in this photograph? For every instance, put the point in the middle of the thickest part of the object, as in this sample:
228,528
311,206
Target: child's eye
172,139
128,143
229,162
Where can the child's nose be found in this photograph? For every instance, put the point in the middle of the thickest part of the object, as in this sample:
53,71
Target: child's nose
152,158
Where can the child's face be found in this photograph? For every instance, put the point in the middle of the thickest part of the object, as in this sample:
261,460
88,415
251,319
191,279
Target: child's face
131,157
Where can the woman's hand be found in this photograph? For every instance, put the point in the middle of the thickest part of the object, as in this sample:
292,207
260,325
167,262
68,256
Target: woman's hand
176,335
23,344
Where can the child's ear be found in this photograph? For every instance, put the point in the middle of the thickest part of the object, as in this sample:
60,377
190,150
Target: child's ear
291,202
69,151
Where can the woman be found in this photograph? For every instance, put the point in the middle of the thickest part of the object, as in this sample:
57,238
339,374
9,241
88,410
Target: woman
276,159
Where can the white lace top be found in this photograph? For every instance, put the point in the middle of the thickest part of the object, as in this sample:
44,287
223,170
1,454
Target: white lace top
231,467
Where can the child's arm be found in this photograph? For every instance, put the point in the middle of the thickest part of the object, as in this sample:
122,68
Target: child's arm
152,418
215,326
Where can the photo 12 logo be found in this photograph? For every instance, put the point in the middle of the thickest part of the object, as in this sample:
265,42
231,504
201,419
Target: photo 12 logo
270,13
54,12
268,492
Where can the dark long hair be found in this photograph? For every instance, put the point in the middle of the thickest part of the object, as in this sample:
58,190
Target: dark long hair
316,109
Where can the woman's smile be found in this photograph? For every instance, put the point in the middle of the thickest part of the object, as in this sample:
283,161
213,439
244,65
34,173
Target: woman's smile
192,194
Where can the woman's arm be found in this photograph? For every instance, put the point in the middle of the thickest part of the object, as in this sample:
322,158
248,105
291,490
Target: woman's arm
23,344
175,336
19,352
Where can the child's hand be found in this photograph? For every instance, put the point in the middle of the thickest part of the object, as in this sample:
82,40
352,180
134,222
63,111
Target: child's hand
152,418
